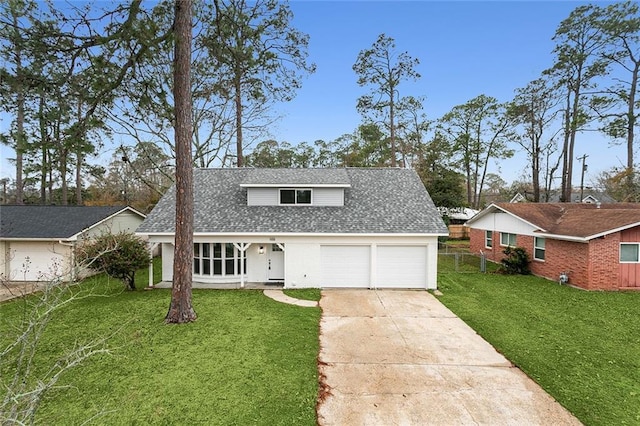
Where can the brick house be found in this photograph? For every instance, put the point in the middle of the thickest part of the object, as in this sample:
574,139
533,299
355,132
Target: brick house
596,245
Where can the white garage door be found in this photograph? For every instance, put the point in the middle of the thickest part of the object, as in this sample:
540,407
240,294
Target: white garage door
345,266
35,262
401,266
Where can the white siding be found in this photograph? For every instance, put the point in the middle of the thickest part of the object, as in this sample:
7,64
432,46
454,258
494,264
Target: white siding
503,222
262,196
351,261
320,196
126,221
328,197
167,261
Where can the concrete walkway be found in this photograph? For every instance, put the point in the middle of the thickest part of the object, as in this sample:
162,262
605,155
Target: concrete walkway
279,296
392,357
12,290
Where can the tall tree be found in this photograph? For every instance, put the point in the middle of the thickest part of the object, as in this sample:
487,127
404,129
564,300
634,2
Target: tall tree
576,66
180,308
264,56
383,69
479,131
14,78
617,107
534,108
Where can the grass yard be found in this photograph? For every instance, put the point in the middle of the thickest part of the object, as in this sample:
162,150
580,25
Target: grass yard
246,360
582,347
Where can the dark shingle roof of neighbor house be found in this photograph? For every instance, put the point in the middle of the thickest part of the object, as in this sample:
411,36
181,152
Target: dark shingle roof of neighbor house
379,201
35,221
576,219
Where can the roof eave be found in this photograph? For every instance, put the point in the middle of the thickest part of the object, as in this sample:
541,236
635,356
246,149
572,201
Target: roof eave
295,185
492,207
300,234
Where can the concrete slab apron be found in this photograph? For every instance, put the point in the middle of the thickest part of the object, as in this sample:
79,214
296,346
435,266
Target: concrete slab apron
393,357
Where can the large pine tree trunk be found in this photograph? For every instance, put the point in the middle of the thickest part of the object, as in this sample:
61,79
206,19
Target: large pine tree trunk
180,308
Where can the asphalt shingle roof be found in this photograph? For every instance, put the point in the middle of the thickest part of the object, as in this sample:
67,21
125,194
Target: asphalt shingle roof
62,222
378,201
296,177
576,219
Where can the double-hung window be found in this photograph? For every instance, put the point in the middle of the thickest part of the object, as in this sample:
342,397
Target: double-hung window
295,196
488,239
507,239
629,252
538,248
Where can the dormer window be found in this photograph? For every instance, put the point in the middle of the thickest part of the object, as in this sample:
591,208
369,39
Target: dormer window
295,196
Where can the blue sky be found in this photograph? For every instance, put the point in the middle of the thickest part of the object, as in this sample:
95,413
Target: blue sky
466,48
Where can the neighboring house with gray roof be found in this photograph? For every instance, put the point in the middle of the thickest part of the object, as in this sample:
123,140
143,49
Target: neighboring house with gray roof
37,242
597,246
349,227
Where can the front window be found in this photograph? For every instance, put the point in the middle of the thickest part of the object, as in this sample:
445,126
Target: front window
507,239
538,248
217,259
295,196
488,239
629,252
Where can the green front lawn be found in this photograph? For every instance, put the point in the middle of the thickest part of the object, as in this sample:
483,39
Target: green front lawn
582,347
246,360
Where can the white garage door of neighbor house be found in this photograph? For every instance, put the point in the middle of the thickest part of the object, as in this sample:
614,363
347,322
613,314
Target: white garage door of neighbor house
345,266
34,262
401,266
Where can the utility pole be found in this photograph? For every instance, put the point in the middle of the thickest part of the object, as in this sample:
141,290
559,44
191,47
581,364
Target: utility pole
584,169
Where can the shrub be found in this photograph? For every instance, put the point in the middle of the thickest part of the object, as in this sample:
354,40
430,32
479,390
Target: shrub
516,262
118,255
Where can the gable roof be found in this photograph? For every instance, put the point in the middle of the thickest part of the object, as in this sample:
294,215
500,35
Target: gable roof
296,177
387,201
52,222
578,220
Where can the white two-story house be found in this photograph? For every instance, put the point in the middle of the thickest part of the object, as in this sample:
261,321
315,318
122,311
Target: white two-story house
347,227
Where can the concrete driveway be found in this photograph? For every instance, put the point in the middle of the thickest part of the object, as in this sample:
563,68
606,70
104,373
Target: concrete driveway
393,357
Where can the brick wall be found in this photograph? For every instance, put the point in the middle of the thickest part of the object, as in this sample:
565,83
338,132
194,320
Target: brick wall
560,256
604,268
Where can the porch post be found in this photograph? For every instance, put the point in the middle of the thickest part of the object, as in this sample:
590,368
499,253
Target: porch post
242,247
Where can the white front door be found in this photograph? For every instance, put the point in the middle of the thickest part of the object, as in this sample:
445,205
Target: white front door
275,263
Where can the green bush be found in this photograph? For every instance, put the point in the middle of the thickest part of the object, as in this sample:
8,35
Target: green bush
118,255
516,262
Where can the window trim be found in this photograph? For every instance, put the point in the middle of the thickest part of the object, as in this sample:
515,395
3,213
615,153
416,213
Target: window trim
199,261
515,239
629,244
295,192
536,248
488,239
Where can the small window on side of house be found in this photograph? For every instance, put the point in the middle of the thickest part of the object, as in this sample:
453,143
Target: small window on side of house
629,252
488,239
507,239
538,248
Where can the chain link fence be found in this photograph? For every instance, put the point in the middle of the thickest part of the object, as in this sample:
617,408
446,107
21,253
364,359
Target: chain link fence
459,259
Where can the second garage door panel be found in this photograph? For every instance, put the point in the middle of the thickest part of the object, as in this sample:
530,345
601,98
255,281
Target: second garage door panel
401,266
